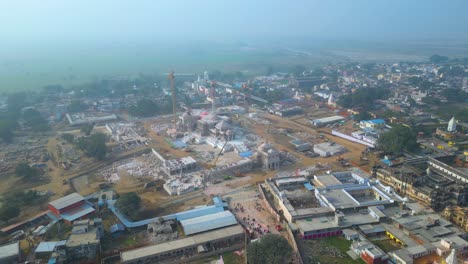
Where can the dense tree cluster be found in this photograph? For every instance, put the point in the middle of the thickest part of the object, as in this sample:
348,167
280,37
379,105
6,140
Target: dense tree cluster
454,95
34,119
436,59
25,171
363,98
455,71
271,248
8,212
14,200
419,82
68,137
76,106
147,108
398,139
93,146
129,204
7,125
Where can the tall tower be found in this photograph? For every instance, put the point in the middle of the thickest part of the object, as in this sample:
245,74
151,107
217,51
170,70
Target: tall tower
213,97
330,99
205,76
171,78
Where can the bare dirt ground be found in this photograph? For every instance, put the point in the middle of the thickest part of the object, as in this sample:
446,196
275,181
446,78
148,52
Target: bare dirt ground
354,149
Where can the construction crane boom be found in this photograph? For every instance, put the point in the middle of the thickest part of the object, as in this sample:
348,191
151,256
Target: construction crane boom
217,156
171,78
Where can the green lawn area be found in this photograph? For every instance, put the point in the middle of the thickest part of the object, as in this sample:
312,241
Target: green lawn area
231,258
124,241
329,250
387,245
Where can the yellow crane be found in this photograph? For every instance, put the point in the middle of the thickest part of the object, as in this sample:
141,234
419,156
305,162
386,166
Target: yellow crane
171,78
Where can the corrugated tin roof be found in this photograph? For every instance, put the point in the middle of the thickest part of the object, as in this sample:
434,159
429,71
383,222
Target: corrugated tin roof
208,222
133,255
48,246
77,212
9,250
66,201
197,212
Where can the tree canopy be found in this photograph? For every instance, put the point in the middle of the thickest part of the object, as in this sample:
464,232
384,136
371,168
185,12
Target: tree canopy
76,106
23,170
129,204
271,248
399,138
438,59
34,119
454,95
93,146
144,108
363,97
7,126
8,212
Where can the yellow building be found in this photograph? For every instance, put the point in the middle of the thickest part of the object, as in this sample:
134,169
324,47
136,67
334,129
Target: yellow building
457,215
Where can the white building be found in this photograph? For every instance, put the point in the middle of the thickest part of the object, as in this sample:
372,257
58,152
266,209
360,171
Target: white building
452,125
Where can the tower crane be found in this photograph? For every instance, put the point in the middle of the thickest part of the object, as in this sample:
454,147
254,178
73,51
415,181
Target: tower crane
171,78
210,166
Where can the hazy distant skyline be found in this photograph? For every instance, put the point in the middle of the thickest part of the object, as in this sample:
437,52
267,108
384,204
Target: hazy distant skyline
124,20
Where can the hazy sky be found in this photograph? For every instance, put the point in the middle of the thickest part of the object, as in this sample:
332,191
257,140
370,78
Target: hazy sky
108,20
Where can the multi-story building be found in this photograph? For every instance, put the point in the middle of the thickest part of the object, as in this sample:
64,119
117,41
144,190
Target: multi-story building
190,248
84,241
457,215
269,156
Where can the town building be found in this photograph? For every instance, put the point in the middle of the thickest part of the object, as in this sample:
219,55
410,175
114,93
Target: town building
190,248
45,249
429,181
10,253
176,166
208,222
269,156
84,240
326,121
300,145
369,253
89,118
457,215
71,207
327,149
373,123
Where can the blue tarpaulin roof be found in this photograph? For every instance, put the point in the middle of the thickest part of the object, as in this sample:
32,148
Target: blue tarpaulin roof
309,186
246,154
178,144
387,162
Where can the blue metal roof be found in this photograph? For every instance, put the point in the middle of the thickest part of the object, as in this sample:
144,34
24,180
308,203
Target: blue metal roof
208,222
48,246
375,121
217,201
309,186
197,212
